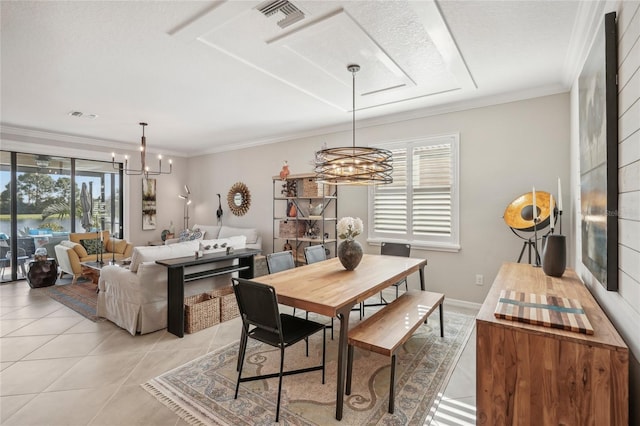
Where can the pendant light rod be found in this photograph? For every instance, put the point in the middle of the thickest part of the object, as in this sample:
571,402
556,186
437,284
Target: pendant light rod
354,69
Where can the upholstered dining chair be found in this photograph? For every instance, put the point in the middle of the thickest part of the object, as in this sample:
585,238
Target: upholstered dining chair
262,321
280,261
391,249
315,253
397,249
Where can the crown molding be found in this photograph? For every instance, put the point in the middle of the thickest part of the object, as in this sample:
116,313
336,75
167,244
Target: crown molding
40,137
452,107
26,137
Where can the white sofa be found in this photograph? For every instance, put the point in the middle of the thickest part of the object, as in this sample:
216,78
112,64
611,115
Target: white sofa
135,298
212,232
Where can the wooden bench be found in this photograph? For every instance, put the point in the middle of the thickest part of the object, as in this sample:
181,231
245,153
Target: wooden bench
390,327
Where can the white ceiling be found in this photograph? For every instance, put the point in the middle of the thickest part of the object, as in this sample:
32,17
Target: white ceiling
211,76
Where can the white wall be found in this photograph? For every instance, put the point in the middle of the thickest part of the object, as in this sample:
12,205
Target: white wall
504,151
623,306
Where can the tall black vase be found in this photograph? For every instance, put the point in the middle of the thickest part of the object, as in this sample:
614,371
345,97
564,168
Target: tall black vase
554,257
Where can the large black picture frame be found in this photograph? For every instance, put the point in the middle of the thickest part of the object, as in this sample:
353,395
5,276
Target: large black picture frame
598,131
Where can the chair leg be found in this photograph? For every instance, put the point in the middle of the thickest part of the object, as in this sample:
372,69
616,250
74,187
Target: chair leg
243,338
331,328
241,354
324,350
280,383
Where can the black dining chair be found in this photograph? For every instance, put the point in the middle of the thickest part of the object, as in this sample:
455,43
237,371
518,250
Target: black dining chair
391,249
262,321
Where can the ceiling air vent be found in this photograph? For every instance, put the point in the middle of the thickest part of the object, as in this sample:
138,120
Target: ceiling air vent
291,13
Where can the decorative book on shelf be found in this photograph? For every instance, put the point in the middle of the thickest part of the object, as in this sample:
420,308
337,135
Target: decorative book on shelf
543,309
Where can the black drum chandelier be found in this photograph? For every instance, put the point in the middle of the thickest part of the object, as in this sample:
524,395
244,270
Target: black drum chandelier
354,165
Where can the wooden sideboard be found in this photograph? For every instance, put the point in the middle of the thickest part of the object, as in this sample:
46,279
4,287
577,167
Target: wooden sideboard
534,375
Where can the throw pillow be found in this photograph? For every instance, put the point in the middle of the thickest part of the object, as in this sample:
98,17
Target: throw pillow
91,246
80,251
117,246
190,235
250,233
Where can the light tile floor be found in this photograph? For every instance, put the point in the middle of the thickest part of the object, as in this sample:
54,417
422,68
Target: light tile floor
59,368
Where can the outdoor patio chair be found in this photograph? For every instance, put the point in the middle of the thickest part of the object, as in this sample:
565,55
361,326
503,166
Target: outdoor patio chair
262,321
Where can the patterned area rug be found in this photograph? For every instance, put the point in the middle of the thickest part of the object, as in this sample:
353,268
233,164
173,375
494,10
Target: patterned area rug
201,391
80,297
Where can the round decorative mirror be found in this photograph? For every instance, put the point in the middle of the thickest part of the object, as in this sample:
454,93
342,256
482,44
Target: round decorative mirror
239,199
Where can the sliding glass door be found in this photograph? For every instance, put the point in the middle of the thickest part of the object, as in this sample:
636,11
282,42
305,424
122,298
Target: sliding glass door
44,198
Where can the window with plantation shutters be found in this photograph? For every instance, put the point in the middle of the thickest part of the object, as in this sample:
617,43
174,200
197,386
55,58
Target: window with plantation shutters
420,207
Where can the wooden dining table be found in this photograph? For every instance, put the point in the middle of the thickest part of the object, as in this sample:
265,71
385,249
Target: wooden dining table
328,289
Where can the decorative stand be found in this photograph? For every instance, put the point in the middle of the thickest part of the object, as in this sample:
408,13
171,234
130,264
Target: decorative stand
536,263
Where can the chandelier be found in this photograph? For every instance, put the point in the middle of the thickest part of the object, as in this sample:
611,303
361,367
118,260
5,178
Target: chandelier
354,165
144,169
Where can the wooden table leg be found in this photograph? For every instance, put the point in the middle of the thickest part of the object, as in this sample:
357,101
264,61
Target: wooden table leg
342,360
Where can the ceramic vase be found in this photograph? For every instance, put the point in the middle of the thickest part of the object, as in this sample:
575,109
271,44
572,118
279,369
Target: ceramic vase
350,254
554,256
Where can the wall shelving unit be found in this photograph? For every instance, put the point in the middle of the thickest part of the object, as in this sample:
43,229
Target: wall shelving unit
304,213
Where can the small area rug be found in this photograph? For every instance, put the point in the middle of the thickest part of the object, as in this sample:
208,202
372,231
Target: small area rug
201,391
80,297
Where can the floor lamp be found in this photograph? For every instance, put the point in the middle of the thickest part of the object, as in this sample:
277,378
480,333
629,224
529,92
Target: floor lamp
187,201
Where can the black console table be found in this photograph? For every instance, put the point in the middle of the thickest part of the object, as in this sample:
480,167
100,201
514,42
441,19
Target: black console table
176,278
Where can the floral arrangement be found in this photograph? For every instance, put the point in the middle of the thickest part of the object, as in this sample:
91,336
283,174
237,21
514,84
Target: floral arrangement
349,228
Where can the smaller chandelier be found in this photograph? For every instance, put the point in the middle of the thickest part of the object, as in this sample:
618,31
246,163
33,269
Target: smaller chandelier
354,165
144,169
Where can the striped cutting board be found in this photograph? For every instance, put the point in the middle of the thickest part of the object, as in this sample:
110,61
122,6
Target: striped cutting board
543,309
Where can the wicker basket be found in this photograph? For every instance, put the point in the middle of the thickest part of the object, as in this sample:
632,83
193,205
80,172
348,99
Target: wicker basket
313,189
291,229
228,303
201,311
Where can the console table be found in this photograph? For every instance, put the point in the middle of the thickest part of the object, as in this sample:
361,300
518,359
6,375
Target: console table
534,375
177,276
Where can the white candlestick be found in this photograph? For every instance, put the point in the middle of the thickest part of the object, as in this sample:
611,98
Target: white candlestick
535,209
552,217
559,195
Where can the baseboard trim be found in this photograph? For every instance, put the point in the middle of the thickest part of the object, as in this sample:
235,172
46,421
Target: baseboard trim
462,304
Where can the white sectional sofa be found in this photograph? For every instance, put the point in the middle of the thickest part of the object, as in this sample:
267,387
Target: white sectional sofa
212,232
135,297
